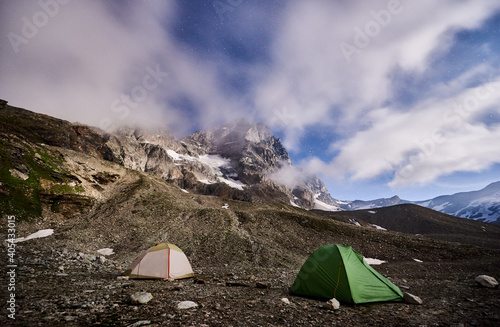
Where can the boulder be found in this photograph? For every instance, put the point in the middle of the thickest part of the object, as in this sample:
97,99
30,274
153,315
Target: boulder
106,251
486,281
412,299
187,305
262,285
140,323
140,298
18,174
333,304
285,300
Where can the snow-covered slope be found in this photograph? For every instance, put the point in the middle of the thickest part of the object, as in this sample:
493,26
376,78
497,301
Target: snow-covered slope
219,169
482,205
333,204
361,205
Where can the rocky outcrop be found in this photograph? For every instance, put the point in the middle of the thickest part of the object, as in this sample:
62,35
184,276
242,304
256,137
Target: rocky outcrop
252,149
256,154
233,161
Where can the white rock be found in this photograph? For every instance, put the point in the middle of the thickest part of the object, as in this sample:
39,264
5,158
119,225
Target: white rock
412,299
140,323
333,304
17,174
141,298
106,251
285,300
373,262
187,305
486,281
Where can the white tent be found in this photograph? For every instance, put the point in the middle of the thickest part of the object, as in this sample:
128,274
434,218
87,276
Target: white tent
162,261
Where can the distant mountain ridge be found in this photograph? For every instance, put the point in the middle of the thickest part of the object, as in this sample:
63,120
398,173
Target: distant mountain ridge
482,205
383,202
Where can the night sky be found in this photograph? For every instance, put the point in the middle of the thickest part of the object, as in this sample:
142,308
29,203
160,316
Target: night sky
375,97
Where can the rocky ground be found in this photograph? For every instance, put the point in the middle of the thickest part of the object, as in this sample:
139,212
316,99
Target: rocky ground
59,283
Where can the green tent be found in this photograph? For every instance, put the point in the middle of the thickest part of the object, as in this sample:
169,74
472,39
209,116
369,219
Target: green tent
337,271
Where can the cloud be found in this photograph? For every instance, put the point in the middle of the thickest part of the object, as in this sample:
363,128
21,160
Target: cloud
436,137
289,176
105,66
76,64
313,81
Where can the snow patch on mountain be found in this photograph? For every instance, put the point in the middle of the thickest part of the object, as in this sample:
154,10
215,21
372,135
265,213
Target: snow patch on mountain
215,161
215,164
440,207
378,227
321,205
482,205
232,183
178,157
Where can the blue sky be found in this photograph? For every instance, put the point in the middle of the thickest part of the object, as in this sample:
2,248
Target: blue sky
375,97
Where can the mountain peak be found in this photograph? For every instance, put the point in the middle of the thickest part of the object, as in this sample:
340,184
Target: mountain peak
231,161
240,130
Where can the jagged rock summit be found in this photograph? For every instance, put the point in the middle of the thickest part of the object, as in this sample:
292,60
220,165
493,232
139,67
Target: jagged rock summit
256,158
251,148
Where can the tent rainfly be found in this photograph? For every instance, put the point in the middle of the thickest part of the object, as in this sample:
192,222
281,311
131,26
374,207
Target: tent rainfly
162,261
337,271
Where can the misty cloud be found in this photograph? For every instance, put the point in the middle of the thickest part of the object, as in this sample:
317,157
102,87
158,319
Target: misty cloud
105,66
437,137
289,176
